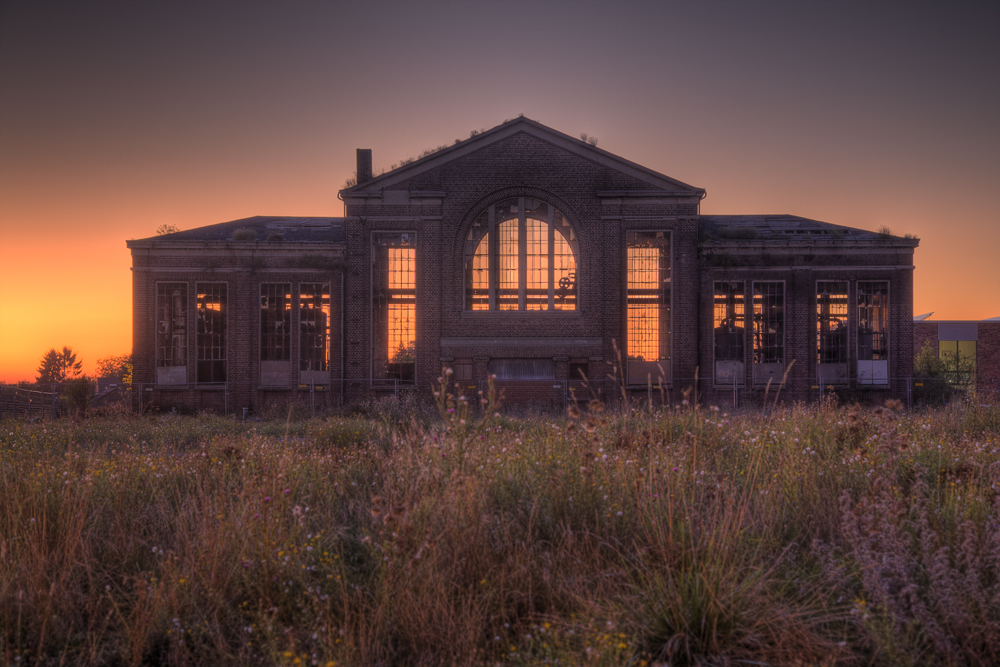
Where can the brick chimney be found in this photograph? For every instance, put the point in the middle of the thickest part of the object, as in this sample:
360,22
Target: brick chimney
364,165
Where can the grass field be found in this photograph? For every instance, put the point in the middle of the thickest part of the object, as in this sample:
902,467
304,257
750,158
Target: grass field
813,536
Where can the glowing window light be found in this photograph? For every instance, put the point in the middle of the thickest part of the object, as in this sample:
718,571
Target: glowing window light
521,255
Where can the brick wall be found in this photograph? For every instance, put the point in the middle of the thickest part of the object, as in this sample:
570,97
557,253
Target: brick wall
522,165
243,280
925,332
602,202
988,362
800,317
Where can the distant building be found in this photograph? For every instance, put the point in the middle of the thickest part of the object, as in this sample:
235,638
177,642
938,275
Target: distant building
530,255
967,347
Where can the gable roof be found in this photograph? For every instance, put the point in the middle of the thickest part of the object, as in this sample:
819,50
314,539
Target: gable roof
585,150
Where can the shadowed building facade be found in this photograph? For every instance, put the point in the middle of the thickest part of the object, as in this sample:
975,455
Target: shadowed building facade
532,256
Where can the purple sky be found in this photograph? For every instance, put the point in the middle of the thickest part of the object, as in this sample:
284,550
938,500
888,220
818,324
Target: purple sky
118,117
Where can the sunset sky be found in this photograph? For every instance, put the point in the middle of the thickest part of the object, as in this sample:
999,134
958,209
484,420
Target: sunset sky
116,118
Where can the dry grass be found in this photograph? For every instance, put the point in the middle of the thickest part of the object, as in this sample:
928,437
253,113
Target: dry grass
680,537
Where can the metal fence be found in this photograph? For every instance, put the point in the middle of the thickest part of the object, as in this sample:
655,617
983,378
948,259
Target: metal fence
51,400
244,399
25,402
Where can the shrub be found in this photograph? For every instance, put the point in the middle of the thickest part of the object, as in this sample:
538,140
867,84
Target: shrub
344,434
244,234
78,392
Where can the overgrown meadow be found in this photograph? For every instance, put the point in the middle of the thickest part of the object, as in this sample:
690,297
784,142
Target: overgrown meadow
811,535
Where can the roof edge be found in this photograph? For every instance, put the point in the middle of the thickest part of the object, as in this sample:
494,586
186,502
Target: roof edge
509,128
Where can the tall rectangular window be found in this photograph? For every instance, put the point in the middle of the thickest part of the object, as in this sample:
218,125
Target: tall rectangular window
394,306
171,333
537,269
212,312
276,334
648,306
314,331
768,331
729,323
873,332
275,322
508,263
831,331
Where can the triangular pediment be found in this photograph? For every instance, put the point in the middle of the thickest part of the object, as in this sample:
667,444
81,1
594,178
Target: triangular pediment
524,131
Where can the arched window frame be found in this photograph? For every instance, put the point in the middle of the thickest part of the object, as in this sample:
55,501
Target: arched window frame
496,280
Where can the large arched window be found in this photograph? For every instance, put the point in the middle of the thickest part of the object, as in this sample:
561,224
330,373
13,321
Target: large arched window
521,254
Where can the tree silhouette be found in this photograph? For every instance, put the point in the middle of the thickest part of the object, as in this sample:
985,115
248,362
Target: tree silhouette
115,366
59,366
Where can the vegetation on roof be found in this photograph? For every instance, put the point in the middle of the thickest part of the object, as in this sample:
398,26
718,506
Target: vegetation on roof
244,234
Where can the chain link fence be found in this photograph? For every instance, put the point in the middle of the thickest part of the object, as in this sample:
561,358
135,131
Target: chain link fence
246,399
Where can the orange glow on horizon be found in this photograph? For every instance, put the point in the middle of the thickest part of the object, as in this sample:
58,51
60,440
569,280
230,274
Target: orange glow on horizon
108,130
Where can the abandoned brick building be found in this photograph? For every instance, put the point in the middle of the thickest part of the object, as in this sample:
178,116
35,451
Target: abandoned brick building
529,255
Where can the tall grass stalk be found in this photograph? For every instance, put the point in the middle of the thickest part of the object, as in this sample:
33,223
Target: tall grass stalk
670,535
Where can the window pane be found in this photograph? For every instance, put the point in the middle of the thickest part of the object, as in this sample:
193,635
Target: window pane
211,332
478,288
831,322
275,322
171,324
314,327
536,293
507,266
768,323
394,308
873,320
565,266
947,348
648,304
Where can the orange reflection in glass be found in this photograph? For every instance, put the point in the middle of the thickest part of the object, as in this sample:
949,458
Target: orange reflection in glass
402,301
643,303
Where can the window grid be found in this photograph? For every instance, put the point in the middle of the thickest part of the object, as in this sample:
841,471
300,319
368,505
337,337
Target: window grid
729,321
508,255
480,276
831,322
564,262
394,306
171,327
873,320
958,359
537,278
314,326
647,304
769,323
533,253
644,303
211,331
275,322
